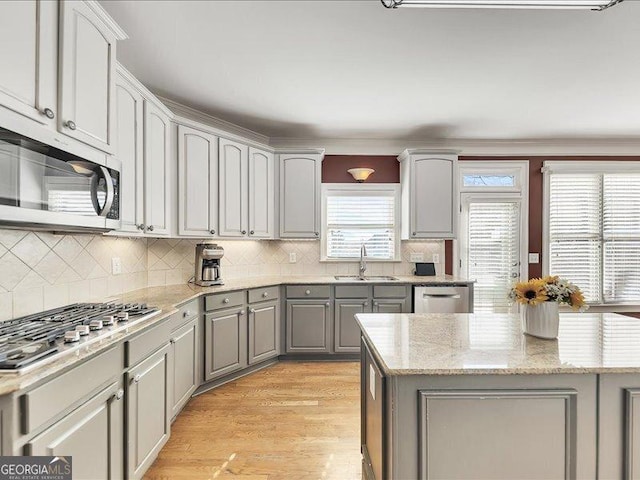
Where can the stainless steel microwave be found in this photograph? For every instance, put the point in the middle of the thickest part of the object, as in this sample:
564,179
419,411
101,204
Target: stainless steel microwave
42,187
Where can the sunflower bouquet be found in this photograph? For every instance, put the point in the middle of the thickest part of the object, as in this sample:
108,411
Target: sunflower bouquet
548,289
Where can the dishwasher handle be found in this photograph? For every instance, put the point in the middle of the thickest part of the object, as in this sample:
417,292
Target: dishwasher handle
441,295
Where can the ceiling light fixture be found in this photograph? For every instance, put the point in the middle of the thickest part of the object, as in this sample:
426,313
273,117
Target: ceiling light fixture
597,5
360,174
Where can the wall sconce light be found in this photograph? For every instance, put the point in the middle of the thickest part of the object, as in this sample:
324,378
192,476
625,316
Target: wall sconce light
360,174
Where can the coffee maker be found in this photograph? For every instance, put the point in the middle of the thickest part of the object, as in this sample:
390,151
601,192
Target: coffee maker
208,256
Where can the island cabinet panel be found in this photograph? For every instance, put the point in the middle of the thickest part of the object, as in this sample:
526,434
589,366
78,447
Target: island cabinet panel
619,426
308,326
486,434
347,331
373,407
92,435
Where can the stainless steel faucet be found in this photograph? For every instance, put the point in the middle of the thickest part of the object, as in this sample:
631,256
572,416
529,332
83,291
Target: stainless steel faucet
363,262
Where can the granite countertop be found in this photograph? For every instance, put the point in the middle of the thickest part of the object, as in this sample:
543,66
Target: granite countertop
473,344
167,298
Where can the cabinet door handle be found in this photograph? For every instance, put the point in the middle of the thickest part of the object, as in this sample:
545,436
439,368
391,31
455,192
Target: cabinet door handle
186,314
49,113
253,310
317,233
226,300
172,341
327,304
413,234
150,228
244,232
137,378
70,124
241,313
375,304
212,231
140,227
307,292
119,394
365,304
251,232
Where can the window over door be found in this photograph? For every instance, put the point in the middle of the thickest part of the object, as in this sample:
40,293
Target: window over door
592,224
354,215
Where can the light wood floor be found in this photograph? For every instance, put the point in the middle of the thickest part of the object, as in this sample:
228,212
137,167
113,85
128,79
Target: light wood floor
293,420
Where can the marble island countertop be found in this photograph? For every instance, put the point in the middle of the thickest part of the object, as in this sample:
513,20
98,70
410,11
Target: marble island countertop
167,299
493,344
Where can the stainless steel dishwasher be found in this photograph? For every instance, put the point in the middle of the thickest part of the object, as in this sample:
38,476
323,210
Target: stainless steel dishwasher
442,299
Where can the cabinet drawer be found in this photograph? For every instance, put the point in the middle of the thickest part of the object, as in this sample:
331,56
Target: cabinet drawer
186,312
264,294
352,291
390,291
147,342
308,291
224,300
44,402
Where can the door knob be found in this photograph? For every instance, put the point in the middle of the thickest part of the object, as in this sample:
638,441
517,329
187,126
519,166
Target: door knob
70,124
49,113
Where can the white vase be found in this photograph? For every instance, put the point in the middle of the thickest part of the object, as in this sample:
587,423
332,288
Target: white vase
541,320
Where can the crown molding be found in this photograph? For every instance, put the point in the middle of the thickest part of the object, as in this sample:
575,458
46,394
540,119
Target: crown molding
107,19
183,112
144,91
480,147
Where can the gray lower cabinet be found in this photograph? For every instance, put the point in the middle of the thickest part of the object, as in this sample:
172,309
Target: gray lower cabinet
346,329
308,326
225,342
184,366
264,331
390,306
92,434
148,411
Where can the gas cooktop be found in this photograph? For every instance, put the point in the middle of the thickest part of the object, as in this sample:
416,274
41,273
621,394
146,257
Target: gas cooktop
29,340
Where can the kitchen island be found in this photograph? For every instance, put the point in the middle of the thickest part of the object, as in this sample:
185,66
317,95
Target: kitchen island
463,396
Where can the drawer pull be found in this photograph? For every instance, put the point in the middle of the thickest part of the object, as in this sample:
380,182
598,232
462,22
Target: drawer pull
226,300
307,292
265,294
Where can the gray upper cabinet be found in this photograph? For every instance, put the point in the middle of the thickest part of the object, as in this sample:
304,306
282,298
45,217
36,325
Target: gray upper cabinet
225,342
87,73
430,204
308,326
184,371
148,411
197,182
92,434
129,116
157,155
28,48
300,180
264,331
346,329
261,194
233,187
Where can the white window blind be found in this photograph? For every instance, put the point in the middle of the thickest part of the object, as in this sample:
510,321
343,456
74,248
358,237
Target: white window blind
354,218
594,233
494,249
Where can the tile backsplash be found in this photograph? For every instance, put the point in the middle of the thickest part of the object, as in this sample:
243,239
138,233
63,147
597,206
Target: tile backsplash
41,270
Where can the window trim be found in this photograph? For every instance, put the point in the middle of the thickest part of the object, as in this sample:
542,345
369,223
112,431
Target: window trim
355,189
550,167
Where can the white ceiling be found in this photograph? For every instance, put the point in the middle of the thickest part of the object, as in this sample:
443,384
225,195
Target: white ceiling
352,69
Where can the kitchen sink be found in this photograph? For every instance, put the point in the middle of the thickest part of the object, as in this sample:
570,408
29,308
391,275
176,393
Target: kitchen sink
373,278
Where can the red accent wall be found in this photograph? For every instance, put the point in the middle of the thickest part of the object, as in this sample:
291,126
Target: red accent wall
334,168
